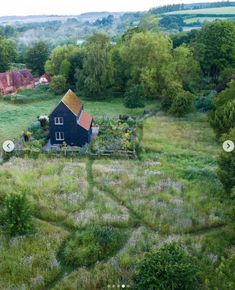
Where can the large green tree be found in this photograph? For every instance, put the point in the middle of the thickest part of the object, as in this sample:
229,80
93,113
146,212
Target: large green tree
36,57
215,47
7,54
94,78
148,57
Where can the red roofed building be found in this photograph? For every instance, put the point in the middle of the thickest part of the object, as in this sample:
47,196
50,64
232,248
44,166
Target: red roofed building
11,81
45,79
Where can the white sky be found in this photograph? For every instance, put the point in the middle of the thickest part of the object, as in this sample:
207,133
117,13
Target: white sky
75,7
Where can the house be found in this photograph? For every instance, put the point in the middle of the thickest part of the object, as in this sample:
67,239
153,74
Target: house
11,81
45,79
69,123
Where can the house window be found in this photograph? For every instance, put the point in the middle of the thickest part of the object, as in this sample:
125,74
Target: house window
59,121
59,136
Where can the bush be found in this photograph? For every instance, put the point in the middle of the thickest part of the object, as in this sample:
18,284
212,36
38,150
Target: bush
167,268
134,97
182,104
226,163
58,84
91,245
223,118
17,214
169,94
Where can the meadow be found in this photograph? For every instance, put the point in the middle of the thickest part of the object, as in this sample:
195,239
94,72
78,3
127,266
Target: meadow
170,193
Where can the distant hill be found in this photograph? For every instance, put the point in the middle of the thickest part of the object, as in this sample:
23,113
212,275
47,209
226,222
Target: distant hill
191,6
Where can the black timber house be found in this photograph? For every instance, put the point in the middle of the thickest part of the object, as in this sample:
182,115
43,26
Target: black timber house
68,123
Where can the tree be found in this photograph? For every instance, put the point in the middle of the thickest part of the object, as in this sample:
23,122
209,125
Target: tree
187,68
65,68
148,57
134,97
94,78
222,118
17,215
170,267
215,47
7,54
36,57
58,55
226,164
59,84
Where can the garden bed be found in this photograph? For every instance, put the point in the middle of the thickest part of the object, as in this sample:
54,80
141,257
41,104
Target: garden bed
116,138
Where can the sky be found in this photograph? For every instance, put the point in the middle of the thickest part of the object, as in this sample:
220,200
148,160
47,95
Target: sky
75,7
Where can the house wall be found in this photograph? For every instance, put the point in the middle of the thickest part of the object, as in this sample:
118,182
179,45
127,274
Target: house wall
84,136
70,127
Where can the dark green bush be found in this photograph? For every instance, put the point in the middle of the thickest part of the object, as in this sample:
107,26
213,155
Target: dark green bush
170,267
91,245
182,104
134,97
17,214
226,163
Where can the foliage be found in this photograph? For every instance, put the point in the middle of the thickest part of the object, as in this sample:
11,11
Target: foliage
59,84
187,68
36,57
222,118
92,244
115,135
134,97
172,22
17,215
170,267
182,104
215,47
7,54
226,163
93,79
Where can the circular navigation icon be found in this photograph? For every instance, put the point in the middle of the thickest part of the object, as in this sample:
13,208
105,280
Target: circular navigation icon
8,146
228,146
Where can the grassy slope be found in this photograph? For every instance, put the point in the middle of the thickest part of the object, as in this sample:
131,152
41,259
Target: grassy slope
220,10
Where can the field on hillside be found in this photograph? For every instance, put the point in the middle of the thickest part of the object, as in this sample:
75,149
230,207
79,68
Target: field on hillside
170,193
220,10
202,19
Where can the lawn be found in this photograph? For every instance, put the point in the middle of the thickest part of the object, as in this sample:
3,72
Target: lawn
170,193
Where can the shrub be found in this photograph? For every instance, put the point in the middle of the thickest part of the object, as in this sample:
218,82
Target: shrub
182,104
226,163
223,118
58,84
17,215
168,95
134,97
167,268
91,245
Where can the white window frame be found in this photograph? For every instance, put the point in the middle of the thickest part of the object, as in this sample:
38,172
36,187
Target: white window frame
59,136
59,120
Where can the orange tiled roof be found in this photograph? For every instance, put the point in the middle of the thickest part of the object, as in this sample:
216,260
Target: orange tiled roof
85,120
72,102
